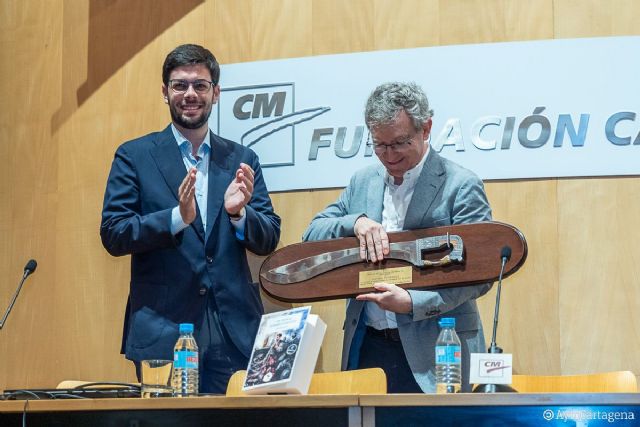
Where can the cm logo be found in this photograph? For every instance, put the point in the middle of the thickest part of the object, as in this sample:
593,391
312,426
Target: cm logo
259,105
263,117
493,368
246,115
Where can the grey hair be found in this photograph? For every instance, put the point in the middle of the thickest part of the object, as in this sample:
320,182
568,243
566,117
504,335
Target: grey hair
388,99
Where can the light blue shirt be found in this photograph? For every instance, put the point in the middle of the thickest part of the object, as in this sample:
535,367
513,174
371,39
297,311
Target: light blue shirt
201,163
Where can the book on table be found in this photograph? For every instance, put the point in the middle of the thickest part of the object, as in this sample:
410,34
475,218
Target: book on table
285,352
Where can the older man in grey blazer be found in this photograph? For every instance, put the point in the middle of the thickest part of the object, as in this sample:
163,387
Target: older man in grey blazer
414,187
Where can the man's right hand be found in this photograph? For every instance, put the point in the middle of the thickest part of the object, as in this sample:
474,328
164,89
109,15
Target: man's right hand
374,241
186,196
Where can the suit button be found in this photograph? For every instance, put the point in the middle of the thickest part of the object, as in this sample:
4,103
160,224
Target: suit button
203,291
209,260
354,322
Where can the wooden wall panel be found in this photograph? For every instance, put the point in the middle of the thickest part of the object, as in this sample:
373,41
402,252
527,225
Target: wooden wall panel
484,21
599,273
529,300
594,18
341,26
30,51
79,78
528,20
229,29
400,24
281,29
253,30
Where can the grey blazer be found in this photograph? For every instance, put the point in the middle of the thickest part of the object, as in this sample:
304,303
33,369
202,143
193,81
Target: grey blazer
445,194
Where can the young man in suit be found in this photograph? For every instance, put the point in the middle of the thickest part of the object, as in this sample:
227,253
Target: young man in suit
186,204
413,187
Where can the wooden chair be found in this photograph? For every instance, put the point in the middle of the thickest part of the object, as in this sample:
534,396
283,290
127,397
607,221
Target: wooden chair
607,382
360,381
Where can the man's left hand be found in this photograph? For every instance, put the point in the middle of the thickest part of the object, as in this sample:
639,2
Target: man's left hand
239,191
390,297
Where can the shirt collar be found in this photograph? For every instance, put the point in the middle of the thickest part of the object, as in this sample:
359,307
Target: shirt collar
185,145
410,177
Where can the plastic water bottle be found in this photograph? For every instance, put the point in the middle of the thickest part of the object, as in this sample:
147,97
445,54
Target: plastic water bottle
185,363
448,358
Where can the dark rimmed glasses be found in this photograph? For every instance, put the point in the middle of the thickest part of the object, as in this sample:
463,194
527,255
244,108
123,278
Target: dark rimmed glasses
201,86
399,146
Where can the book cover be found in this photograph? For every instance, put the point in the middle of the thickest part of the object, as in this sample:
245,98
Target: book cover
285,352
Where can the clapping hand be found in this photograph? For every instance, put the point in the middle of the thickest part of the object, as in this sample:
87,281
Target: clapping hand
239,191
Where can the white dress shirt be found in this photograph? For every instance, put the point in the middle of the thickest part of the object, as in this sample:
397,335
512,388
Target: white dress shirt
394,210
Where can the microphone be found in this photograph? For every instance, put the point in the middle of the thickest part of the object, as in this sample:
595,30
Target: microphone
28,269
505,255
32,264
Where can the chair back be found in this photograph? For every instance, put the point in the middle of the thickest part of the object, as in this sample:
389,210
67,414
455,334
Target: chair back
606,382
359,381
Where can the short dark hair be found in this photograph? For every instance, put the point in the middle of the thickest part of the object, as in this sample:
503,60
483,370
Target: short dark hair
190,54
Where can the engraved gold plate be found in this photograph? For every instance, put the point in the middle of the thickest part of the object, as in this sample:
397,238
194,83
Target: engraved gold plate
395,276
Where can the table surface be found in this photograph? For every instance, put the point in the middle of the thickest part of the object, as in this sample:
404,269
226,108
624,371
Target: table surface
210,402
324,401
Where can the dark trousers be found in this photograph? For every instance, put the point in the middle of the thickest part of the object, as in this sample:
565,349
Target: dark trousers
219,357
380,352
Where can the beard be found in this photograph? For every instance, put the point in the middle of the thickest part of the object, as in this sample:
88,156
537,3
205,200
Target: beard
190,122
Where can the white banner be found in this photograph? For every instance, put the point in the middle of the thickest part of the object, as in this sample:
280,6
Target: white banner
554,108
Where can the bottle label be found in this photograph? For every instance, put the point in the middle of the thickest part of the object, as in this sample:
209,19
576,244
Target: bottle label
448,354
185,359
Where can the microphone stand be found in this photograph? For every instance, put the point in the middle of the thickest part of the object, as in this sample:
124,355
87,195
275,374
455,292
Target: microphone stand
27,272
493,348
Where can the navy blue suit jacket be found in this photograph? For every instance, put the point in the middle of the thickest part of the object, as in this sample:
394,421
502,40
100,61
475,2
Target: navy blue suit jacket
172,276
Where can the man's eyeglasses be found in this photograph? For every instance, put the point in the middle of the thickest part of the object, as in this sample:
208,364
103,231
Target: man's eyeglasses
201,86
399,146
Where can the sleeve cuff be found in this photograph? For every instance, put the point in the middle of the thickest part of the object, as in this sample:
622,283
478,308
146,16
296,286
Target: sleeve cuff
238,223
177,224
